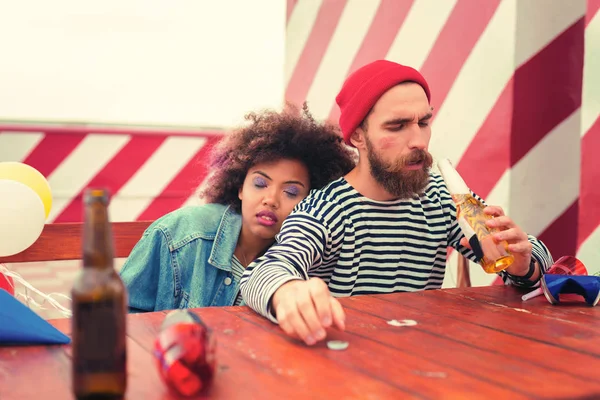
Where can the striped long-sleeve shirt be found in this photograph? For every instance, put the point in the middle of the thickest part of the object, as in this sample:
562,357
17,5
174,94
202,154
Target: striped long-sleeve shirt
361,246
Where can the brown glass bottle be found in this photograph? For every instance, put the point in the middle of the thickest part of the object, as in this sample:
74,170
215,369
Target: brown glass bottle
99,303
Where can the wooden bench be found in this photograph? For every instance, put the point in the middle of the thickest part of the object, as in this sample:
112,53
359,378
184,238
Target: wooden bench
62,241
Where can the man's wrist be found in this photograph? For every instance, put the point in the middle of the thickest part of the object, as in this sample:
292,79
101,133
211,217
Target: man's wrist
520,267
529,272
525,278
272,303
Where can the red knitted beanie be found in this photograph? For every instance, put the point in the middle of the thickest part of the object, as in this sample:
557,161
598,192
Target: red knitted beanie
365,86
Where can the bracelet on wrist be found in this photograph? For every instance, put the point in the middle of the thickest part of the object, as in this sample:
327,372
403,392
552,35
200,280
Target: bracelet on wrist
524,279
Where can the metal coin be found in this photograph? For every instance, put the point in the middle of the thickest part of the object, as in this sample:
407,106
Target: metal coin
404,322
337,345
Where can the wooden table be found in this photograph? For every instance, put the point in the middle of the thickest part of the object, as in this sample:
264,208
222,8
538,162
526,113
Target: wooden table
468,343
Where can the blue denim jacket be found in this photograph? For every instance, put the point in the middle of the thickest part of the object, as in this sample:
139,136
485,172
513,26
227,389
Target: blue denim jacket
183,260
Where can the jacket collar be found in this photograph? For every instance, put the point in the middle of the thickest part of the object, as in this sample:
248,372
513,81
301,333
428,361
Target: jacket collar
226,239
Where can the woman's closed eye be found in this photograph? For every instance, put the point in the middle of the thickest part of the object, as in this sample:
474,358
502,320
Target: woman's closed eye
292,191
260,183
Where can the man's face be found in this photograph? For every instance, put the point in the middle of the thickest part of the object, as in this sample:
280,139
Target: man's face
395,139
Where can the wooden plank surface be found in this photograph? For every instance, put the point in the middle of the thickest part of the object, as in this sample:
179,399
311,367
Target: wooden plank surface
62,241
467,343
541,325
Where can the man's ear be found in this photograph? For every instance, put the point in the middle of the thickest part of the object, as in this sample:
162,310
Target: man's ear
240,193
358,138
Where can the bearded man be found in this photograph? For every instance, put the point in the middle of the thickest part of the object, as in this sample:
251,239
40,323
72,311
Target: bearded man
385,226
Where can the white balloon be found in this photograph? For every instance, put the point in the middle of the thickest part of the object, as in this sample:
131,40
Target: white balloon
22,217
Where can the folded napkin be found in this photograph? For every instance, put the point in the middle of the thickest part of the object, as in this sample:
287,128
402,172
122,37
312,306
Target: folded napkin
19,325
587,286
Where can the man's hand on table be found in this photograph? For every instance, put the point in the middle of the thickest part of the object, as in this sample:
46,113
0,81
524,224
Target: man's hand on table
304,309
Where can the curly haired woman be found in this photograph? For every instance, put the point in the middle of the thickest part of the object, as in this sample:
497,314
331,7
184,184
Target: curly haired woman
195,256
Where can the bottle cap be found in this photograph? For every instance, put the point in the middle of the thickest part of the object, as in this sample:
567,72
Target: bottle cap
96,194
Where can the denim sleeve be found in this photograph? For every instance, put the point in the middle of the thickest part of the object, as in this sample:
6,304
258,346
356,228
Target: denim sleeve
147,268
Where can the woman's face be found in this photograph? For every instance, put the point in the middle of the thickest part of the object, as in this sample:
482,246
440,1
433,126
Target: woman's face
269,193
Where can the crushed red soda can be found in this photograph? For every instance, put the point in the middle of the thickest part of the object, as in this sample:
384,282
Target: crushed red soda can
185,353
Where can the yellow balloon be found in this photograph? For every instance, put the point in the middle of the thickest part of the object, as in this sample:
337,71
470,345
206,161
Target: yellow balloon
27,175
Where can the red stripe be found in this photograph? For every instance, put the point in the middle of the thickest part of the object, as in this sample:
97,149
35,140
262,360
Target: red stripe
561,236
289,9
383,30
466,23
490,147
116,172
181,187
51,151
530,106
498,281
592,9
547,89
589,201
314,50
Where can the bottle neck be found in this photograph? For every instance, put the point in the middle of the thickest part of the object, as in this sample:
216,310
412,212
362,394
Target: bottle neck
98,251
454,182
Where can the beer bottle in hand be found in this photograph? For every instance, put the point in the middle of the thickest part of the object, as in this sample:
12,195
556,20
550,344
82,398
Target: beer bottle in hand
493,256
99,302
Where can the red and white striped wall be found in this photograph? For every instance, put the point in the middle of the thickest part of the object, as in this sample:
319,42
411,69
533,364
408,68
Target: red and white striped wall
589,197
148,172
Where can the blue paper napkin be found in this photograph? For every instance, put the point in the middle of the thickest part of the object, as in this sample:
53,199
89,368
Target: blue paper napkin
20,325
587,286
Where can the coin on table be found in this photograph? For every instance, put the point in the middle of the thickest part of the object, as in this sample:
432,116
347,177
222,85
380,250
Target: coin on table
337,345
404,322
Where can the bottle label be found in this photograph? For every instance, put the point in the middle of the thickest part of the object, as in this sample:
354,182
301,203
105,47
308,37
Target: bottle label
471,219
471,209
100,337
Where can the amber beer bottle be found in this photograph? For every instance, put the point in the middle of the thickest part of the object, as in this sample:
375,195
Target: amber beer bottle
493,256
99,303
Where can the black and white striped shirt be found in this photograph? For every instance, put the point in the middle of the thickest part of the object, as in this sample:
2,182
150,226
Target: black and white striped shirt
361,246
237,270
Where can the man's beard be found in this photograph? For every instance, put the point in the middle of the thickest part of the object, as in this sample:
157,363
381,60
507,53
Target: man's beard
395,178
